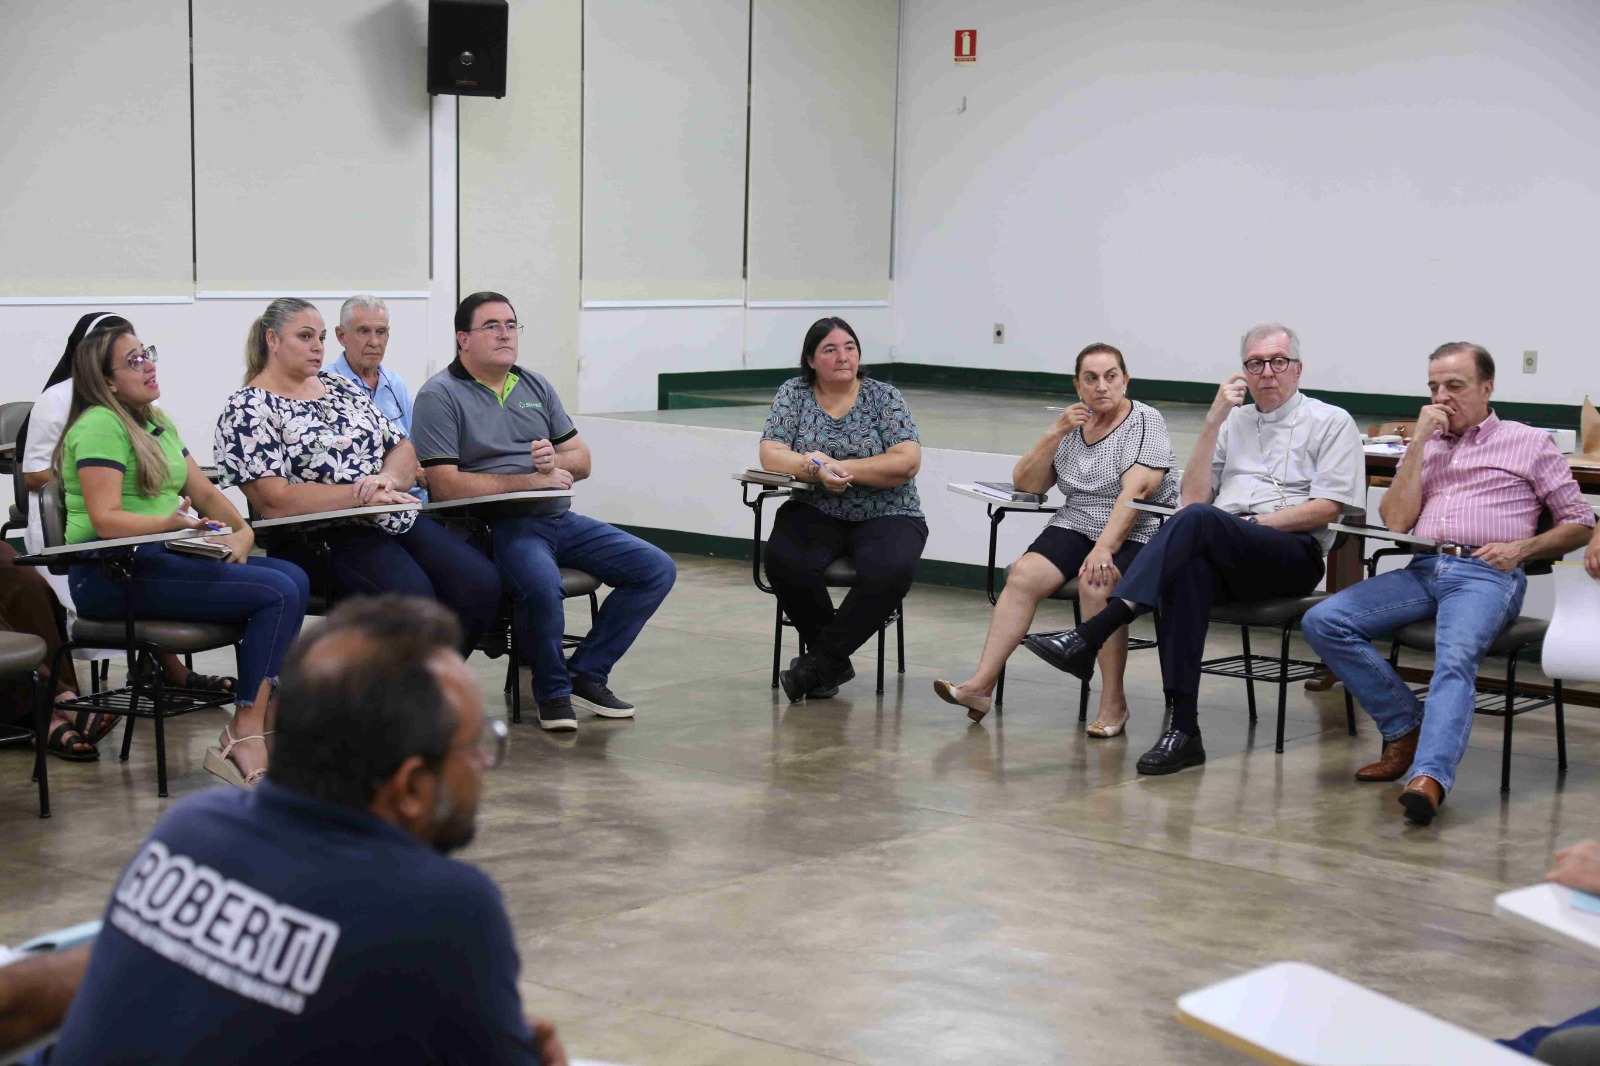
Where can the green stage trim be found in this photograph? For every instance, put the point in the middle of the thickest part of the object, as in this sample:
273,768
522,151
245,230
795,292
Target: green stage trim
697,389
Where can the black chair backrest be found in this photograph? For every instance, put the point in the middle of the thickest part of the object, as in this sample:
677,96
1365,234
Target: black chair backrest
11,417
53,519
19,482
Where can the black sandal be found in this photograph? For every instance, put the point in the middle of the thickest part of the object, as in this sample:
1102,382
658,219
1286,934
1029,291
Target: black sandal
94,725
59,745
209,683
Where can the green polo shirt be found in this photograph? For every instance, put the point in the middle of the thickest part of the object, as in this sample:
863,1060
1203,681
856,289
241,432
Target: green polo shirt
99,438
459,421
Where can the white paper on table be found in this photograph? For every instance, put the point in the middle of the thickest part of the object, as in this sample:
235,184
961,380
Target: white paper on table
1572,646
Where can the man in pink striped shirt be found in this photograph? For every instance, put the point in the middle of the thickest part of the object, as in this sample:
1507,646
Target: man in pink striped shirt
1477,486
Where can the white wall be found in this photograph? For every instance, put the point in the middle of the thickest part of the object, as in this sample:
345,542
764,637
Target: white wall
1161,174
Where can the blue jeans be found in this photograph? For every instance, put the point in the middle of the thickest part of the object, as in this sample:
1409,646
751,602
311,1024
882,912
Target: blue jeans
1472,601
530,551
267,595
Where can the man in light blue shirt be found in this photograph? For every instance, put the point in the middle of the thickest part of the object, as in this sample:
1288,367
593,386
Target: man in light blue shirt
363,331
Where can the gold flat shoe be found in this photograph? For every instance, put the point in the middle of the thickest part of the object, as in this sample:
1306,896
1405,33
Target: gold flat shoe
977,706
1106,732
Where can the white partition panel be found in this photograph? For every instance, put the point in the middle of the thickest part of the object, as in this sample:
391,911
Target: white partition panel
521,159
822,106
311,146
94,190
665,88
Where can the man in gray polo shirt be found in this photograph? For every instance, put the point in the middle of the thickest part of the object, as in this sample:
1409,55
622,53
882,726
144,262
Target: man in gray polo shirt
484,426
1262,485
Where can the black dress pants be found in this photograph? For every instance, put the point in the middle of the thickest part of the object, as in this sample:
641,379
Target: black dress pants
1202,556
804,541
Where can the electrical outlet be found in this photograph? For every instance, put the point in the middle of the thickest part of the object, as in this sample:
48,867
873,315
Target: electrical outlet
999,333
1530,362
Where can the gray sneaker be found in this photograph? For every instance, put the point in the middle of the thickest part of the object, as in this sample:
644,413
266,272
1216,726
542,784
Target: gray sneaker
592,695
557,714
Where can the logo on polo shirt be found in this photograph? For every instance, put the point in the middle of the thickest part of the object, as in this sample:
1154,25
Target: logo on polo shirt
529,403
222,930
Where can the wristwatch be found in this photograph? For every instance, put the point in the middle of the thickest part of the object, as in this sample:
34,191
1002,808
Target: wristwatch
1252,519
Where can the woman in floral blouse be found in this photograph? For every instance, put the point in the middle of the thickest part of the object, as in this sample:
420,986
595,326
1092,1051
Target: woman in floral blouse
854,441
297,441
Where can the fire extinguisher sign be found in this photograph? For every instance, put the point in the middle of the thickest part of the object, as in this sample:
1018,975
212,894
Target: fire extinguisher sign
966,46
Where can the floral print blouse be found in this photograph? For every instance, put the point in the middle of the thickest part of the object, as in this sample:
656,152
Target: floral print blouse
878,421
335,440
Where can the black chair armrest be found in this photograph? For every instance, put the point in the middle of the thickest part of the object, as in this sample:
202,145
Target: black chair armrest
1398,549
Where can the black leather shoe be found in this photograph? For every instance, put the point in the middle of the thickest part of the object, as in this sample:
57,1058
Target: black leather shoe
1065,651
827,689
804,675
1175,751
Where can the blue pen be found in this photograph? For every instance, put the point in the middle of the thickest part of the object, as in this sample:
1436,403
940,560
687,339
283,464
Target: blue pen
828,468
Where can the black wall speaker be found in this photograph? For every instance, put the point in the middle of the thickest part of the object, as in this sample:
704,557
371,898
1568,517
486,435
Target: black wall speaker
467,47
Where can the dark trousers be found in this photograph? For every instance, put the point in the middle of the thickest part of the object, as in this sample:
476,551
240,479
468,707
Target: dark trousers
1202,556
804,541
427,560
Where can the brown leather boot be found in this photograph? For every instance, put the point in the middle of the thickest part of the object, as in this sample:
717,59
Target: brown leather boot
1396,759
1422,799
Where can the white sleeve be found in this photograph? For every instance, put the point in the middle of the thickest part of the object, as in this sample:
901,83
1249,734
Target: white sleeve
46,423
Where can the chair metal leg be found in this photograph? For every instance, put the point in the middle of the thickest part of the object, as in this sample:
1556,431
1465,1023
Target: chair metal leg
777,643
881,631
1249,672
39,692
1561,728
161,731
1083,702
1505,751
1350,710
127,730
1000,690
900,639
1283,686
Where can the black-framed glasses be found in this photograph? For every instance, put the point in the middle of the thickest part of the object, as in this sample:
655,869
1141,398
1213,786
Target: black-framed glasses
498,327
492,743
141,358
1278,363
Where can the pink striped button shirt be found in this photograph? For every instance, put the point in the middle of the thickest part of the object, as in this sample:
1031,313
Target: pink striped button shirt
1488,485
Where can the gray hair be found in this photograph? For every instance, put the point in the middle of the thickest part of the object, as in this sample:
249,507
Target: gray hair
275,318
360,302
1263,330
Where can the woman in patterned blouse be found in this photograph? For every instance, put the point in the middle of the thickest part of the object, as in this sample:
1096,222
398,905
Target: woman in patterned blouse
1101,453
299,440
853,440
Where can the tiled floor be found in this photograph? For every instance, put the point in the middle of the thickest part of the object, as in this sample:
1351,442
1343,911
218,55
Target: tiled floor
731,879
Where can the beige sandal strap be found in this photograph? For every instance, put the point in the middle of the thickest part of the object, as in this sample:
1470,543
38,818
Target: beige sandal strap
234,741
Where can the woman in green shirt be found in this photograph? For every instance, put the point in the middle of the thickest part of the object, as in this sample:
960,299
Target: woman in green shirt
126,473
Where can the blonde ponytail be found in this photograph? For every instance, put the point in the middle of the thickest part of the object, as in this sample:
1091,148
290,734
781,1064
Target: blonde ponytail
275,318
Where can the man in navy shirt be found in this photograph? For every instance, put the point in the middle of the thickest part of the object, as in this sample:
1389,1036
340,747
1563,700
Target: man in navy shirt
318,918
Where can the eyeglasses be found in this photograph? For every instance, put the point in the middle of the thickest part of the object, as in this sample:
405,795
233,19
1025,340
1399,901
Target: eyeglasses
492,743
1278,363
498,327
141,358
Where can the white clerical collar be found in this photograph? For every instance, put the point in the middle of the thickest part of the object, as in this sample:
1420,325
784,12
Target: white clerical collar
1290,407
